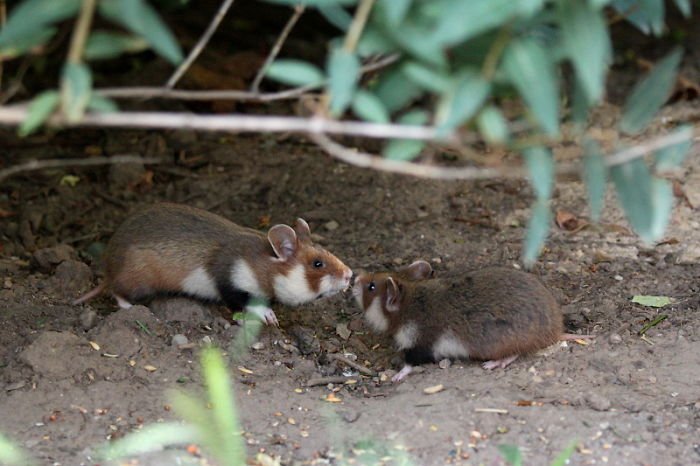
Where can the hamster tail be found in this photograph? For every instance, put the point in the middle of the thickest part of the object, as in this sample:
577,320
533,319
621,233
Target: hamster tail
90,294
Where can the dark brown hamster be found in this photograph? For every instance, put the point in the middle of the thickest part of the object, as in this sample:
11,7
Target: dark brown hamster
175,249
492,315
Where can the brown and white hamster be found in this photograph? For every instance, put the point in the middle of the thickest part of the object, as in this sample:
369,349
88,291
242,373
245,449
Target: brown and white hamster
493,315
175,249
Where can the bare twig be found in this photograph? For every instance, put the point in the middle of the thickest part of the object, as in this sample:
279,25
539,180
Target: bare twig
326,380
298,11
176,94
81,31
55,163
358,25
199,46
358,367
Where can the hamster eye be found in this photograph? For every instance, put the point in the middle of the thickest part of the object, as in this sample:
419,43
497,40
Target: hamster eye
318,264
371,286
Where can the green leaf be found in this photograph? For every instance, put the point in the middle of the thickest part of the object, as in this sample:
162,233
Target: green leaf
662,206
40,109
684,7
511,454
336,15
26,43
562,458
374,42
529,67
31,18
396,90
540,165
102,45
368,107
463,19
586,43
294,73
537,231
140,17
415,39
101,104
672,157
646,15
650,94
11,454
595,174
394,10
493,126
76,90
407,149
315,3
151,438
427,78
580,105
466,96
343,73
652,301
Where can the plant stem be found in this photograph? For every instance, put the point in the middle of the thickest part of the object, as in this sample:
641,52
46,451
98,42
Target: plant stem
358,25
495,51
3,18
81,31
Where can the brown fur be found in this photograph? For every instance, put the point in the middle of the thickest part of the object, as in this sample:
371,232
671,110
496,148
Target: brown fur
495,312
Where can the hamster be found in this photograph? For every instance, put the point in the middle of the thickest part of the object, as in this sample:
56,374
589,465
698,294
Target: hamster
493,315
175,249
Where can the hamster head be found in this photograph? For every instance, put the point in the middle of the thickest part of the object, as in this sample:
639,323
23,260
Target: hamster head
306,271
380,294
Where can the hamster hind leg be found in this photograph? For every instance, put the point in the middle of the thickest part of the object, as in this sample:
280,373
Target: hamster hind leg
502,363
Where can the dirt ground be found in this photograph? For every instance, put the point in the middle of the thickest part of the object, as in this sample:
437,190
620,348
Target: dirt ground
622,399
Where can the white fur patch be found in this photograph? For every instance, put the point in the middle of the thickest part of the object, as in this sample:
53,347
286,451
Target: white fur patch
243,278
449,346
330,285
374,315
199,283
406,336
293,289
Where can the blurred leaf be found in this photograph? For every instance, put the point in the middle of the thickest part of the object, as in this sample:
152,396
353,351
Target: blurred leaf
493,125
580,104
294,72
395,90
343,73
529,67
466,96
394,10
652,301
684,7
150,438
374,42
102,45
40,109
11,454
463,19
69,180
76,90
407,149
662,206
511,454
650,94
595,175
415,39
537,231
562,458
336,15
672,157
586,42
368,107
425,77
646,15
140,17
315,3
101,104
540,165
26,43
32,17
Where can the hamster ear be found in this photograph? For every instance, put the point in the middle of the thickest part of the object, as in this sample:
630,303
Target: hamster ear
283,240
303,231
393,295
419,270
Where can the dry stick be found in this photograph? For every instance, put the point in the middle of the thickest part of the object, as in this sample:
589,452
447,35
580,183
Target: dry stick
326,380
359,367
298,11
177,94
194,53
81,31
358,25
54,163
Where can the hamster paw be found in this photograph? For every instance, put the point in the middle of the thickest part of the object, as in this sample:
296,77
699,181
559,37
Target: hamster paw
405,370
122,303
265,314
502,363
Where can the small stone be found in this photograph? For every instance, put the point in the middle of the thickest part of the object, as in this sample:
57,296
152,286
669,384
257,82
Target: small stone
434,389
15,385
332,225
444,363
615,338
305,340
689,255
598,402
386,375
618,278
48,258
343,331
71,277
258,345
350,416
398,261
88,318
206,340
179,340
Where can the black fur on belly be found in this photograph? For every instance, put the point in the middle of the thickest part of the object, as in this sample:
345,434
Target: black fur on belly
234,298
418,355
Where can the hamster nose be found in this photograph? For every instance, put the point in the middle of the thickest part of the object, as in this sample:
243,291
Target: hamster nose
348,276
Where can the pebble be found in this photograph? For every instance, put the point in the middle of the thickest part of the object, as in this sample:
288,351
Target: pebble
386,375
88,318
598,402
258,345
615,338
48,258
343,331
444,363
206,340
179,340
332,225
